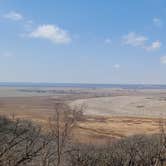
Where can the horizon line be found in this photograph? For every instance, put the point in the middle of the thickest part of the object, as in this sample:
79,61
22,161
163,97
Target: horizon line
76,83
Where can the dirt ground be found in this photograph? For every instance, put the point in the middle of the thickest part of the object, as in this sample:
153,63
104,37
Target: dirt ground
152,106
109,115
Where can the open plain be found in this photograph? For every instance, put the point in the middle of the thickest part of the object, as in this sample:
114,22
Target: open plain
109,113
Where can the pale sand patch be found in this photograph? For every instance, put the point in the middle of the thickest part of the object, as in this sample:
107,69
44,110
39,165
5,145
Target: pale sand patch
132,106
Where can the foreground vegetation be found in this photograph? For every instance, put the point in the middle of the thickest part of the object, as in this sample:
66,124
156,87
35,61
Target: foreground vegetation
23,143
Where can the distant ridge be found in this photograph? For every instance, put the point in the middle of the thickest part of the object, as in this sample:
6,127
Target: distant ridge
83,85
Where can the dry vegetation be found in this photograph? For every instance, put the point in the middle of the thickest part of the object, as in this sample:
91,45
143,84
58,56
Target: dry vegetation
50,133
114,113
92,129
23,143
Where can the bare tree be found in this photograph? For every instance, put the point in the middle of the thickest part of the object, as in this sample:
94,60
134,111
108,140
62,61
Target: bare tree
21,142
61,126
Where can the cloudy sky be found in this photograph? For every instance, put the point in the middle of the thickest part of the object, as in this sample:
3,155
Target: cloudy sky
83,41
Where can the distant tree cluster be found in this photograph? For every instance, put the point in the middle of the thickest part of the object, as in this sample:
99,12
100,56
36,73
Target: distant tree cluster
23,143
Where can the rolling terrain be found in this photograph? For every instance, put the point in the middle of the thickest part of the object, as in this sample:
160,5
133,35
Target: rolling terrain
109,113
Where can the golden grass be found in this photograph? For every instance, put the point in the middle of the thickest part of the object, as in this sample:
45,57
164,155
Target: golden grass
94,129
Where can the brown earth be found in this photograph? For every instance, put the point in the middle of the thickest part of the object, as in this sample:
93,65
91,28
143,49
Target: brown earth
110,114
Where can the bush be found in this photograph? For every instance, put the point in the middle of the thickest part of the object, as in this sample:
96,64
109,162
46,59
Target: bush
22,143
139,150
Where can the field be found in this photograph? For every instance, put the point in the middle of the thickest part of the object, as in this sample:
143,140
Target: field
109,113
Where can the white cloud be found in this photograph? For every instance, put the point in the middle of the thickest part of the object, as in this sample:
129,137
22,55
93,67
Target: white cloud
163,59
116,66
108,41
154,46
157,22
52,33
13,16
136,40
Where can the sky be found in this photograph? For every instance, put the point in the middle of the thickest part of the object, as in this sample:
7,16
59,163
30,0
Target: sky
83,41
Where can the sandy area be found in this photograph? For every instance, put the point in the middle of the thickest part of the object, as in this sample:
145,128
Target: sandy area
110,113
136,106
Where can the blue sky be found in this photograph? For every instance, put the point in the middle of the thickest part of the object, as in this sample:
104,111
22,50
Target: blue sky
97,41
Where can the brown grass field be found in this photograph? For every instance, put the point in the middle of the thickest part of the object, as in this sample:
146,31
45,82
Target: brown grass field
110,114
